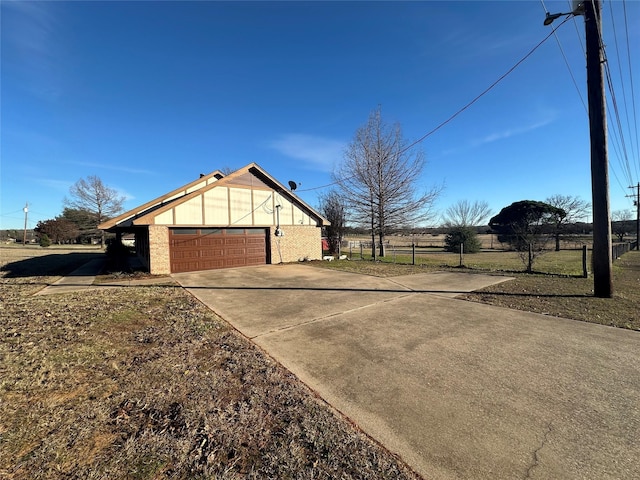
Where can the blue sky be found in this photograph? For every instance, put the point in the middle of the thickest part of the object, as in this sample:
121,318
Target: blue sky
148,95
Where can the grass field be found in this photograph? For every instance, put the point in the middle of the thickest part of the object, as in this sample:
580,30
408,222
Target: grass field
487,240
147,383
564,262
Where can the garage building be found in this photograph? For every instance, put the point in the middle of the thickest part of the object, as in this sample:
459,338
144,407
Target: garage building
222,221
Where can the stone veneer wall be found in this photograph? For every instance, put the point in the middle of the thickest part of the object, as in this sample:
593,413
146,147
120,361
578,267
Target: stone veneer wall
159,250
299,241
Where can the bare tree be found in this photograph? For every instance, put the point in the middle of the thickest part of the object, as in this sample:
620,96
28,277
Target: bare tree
332,207
95,197
466,214
378,179
574,209
622,223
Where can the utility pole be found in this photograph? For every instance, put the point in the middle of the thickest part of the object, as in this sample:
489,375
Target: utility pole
26,212
636,202
602,256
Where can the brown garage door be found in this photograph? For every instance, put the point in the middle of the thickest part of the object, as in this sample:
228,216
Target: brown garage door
194,249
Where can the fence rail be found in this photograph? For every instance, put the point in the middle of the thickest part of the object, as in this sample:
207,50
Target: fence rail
572,261
619,249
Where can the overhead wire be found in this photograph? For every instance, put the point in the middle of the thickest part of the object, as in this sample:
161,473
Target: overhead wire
566,62
575,24
623,158
624,90
466,106
633,96
619,144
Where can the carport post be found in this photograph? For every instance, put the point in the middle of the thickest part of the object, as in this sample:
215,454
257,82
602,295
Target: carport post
413,253
461,254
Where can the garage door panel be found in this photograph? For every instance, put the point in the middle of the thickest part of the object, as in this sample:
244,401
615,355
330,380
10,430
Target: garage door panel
231,241
207,264
212,252
183,266
184,254
185,242
211,241
236,262
205,249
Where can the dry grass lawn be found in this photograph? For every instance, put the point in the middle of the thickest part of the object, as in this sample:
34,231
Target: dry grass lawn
572,297
147,383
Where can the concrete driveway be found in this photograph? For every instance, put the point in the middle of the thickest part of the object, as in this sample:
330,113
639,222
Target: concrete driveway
459,390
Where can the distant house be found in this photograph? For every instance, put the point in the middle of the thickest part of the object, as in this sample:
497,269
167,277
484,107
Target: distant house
128,240
218,221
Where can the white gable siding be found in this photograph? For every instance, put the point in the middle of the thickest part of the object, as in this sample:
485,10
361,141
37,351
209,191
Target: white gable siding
286,212
301,218
263,213
240,206
190,212
165,218
196,187
216,206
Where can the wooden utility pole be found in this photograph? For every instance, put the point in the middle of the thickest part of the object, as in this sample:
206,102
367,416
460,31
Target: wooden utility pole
636,202
602,275
24,235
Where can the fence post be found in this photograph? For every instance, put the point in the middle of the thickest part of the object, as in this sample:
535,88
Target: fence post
413,253
585,273
361,255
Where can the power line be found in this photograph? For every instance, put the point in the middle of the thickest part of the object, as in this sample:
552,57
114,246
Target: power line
633,96
622,154
465,107
624,91
489,88
566,62
616,136
575,24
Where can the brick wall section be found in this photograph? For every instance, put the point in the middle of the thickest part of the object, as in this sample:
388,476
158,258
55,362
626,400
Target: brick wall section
298,242
159,250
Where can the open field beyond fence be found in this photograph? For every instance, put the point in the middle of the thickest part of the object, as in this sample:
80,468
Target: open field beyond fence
488,241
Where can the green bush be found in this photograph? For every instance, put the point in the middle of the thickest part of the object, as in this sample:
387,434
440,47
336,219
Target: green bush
464,235
44,240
